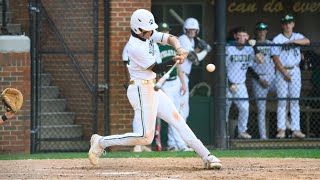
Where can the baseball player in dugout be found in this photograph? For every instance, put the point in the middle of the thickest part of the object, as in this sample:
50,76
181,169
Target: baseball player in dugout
266,74
174,87
197,49
288,76
239,58
147,103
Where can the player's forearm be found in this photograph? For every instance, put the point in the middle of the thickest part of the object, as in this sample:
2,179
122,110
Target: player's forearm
303,41
180,75
174,42
201,55
278,64
164,66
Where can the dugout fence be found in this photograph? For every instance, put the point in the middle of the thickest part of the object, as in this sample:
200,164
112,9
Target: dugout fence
308,101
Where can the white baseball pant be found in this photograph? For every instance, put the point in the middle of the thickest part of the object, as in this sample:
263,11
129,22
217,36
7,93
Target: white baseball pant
260,92
243,106
290,89
148,105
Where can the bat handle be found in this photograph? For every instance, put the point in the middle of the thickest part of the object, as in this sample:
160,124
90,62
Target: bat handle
156,87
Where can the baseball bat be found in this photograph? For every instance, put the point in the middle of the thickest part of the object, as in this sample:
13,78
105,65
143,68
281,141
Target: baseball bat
176,16
166,76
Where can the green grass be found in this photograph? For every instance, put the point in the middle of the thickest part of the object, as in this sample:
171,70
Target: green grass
282,153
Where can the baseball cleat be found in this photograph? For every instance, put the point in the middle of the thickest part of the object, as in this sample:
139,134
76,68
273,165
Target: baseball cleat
244,135
212,162
298,134
95,150
281,134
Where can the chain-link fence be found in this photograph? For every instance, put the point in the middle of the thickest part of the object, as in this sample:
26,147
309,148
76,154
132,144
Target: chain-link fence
268,107
64,41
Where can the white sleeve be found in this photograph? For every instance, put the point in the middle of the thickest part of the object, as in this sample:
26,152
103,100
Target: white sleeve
298,36
186,43
275,50
125,53
160,37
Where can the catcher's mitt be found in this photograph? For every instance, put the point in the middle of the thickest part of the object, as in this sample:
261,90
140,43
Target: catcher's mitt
12,99
192,56
202,45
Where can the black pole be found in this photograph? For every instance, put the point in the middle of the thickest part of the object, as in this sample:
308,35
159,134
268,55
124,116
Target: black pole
219,124
33,78
106,66
95,66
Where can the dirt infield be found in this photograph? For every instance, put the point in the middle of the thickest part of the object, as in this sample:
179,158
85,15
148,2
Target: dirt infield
161,169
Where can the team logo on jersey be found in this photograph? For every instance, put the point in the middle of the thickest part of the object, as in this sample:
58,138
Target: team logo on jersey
265,50
151,48
239,58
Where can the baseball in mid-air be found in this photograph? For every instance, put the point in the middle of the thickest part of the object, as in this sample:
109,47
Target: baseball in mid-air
211,67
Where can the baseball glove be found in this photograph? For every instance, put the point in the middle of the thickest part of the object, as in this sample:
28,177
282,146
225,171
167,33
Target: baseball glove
12,99
202,45
192,56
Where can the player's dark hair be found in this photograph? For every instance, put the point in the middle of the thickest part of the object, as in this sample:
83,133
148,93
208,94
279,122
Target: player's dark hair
240,29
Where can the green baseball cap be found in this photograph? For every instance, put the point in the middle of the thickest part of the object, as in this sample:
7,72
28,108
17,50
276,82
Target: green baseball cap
164,27
287,18
261,26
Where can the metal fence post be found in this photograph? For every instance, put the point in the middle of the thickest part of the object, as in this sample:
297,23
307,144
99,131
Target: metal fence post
219,124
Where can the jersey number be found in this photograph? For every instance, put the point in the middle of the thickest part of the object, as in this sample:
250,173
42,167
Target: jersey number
244,66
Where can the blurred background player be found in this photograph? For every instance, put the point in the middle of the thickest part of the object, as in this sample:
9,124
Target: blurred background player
174,87
239,58
266,74
288,75
189,42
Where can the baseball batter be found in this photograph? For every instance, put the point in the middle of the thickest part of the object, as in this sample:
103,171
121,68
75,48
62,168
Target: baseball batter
288,75
174,87
147,103
238,59
266,72
125,59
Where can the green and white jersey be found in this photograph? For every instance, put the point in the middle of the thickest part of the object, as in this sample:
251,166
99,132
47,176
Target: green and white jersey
167,52
237,62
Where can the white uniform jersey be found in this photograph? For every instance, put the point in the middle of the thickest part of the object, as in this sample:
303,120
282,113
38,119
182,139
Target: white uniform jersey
187,44
267,67
290,57
142,55
237,62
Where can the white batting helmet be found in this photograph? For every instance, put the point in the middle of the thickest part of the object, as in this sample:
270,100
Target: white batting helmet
142,19
191,23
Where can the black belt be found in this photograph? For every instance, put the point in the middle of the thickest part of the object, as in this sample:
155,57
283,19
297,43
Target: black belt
290,67
172,79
